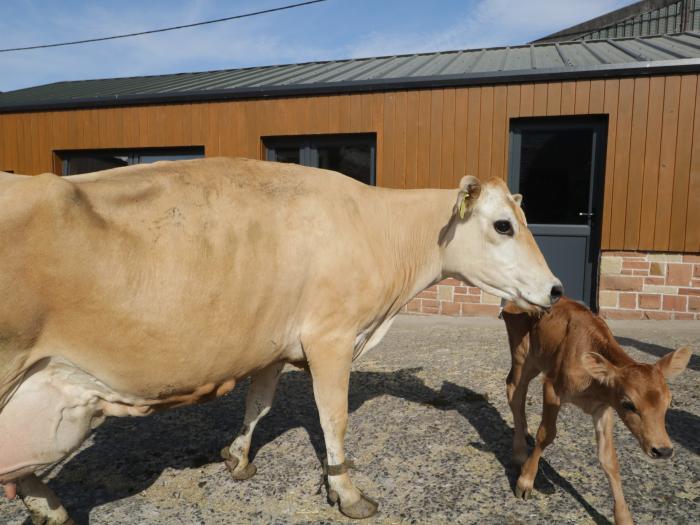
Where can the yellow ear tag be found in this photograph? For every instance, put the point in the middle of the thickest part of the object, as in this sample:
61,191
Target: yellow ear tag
463,205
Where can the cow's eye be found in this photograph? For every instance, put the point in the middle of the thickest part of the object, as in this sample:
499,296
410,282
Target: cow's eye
503,227
628,405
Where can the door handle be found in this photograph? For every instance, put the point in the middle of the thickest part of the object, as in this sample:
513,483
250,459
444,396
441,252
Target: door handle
584,214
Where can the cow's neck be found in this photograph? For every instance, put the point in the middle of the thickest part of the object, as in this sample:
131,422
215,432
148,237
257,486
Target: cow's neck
414,222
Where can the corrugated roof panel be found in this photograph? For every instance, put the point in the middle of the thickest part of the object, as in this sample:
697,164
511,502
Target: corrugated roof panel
464,62
564,60
518,58
492,60
548,57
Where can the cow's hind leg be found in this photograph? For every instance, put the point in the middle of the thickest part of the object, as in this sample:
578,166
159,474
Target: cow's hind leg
42,503
258,403
329,362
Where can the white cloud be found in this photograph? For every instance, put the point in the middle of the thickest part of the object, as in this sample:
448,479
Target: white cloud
490,23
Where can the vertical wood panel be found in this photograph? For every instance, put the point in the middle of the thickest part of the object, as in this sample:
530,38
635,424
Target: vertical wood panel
387,153
412,103
622,157
681,177
459,163
596,97
583,91
692,230
436,101
609,106
668,158
498,136
355,113
448,139
474,114
539,101
554,98
485,130
400,140
527,97
424,139
568,97
652,154
633,206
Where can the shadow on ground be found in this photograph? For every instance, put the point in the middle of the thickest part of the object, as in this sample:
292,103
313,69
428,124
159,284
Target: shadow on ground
129,454
657,350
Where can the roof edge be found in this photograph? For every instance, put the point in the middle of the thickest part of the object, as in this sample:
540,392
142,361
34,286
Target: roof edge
648,68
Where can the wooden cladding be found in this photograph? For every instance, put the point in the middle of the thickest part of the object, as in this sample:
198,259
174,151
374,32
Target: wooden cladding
429,138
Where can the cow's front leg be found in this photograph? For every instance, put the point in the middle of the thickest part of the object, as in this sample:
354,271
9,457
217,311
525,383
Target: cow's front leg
603,421
42,503
329,363
258,403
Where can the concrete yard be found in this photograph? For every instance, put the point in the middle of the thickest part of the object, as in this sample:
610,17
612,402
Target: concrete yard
430,431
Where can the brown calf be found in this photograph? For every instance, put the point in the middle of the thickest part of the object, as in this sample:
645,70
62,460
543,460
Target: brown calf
583,364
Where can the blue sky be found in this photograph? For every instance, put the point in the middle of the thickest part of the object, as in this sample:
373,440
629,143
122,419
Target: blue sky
330,30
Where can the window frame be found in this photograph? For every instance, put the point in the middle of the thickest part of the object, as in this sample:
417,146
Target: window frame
308,146
133,155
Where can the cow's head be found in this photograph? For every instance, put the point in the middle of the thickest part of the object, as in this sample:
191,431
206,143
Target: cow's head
640,396
488,243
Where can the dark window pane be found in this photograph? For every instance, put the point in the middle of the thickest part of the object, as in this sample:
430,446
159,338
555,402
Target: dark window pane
353,161
87,162
555,175
147,159
77,162
287,154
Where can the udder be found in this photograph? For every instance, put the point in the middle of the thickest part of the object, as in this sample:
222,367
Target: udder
47,418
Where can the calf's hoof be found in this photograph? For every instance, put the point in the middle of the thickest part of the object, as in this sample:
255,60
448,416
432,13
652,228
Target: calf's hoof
239,474
362,508
523,490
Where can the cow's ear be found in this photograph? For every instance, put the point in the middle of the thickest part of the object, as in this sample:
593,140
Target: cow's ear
518,198
674,363
469,191
599,368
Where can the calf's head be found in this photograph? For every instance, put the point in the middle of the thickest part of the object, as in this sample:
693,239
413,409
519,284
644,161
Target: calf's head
488,243
640,396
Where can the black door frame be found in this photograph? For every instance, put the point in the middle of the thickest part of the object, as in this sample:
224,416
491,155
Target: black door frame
598,124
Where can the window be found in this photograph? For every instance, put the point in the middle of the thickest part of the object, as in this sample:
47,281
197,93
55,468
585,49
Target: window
352,155
87,161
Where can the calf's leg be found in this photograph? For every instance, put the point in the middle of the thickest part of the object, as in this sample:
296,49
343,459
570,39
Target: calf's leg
258,403
603,422
545,435
329,362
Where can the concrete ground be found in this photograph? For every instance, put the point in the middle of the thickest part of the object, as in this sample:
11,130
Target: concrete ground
429,428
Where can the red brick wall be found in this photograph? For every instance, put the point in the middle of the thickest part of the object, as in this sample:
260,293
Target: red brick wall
633,285
639,285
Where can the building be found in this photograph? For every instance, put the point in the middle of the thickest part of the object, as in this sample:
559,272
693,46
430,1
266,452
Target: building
602,137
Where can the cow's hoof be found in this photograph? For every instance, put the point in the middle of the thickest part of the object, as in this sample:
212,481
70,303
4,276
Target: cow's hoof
241,474
362,508
522,492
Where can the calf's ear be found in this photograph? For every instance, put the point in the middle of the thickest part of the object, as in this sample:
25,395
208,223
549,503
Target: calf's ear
469,191
518,198
674,363
599,368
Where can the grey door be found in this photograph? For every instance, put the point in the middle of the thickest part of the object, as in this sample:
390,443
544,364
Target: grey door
558,165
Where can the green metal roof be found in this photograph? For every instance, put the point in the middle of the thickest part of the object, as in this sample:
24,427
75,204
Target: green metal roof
578,59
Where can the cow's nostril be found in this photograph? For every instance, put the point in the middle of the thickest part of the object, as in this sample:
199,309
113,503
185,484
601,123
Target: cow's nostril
662,452
556,293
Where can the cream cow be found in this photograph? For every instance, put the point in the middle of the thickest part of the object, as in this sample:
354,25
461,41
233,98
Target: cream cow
136,289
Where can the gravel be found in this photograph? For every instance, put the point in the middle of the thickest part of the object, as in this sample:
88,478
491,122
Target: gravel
430,431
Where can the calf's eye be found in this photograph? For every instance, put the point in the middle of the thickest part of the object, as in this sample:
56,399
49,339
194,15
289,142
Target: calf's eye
629,406
503,227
